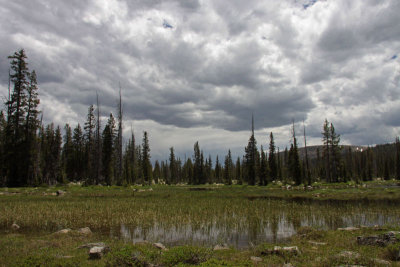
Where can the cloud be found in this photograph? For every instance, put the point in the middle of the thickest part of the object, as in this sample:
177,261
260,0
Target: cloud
200,67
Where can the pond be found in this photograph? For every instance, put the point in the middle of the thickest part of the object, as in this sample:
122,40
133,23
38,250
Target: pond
270,220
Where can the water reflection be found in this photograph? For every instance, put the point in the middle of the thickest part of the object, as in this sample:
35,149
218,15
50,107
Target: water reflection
274,225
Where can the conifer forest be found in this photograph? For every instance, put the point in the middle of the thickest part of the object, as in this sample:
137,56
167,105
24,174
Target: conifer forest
34,154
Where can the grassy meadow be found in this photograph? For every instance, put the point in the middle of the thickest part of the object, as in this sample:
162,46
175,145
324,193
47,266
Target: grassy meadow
191,220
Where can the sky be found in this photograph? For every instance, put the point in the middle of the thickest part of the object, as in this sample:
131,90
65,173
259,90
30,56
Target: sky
197,70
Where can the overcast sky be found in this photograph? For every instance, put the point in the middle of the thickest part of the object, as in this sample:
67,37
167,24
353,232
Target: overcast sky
195,70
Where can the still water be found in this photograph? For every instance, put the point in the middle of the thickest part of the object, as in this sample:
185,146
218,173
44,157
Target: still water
279,221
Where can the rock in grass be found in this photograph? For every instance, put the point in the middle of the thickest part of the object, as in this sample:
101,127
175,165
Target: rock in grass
348,255
63,231
255,259
60,192
91,245
350,228
317,243
277,250
97,252
382,262
15,227
221,247
85,231
379,240
160,246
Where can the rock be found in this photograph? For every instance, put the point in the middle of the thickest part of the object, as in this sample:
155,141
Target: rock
309,187
63,231
221,247
348,255
15,227
317,243
97,252
282,251
91,245
288,265
255,259
160,246
60,192
293,250
379,240
350,228
382,262
85,231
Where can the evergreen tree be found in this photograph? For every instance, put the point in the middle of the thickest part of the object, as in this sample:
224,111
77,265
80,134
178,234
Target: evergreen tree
68,153
3,125
98,147
228,168
218,171
294,160
197,166
273,169
156,172
16,114
238,171
326,139
89,136
31,126
263,168
188,171
397,143
146,164
118,145
172,166
108,150
251,157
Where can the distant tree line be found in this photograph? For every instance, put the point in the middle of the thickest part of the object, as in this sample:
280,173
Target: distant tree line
32,153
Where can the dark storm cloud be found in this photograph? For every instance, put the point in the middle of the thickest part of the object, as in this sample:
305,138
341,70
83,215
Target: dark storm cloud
212,64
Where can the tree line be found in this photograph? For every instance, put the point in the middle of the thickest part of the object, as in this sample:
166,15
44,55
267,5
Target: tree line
32,153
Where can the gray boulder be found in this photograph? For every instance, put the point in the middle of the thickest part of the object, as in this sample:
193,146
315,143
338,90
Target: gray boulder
97,252
379,240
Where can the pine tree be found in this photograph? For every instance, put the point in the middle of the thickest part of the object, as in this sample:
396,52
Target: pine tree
228,168
146,164
238,171
197,164
397,158
156,172
16,115
294,160
326,139
98,147
108,150
273,169
251,157
118,144
218,171
307,172
68,153
172,167
3,125
89,136
263,168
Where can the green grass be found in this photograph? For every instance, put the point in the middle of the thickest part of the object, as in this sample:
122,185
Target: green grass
219,211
